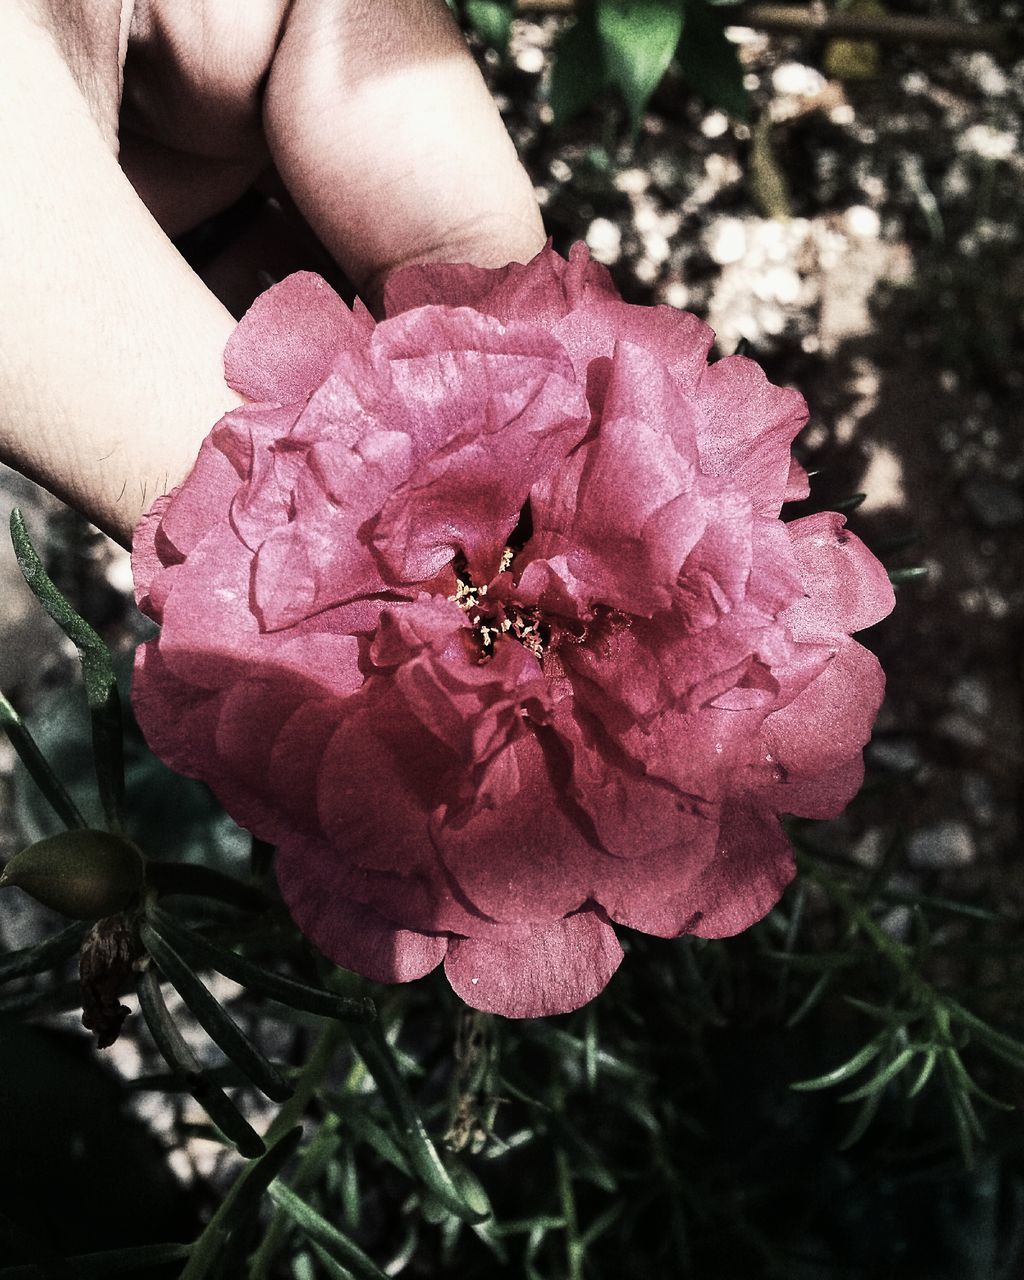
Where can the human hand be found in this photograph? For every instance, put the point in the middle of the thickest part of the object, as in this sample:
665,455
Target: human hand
126,122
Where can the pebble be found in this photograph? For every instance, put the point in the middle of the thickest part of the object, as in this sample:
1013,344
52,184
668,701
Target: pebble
727,241
862,221
899,755
993,504
979,796
962,729
604,240
869,849
714,125
971,693
946,844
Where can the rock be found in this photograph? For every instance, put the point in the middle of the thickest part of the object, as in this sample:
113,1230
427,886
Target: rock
993,504
963,730
869,850
898,755
979,796
943,845
971,693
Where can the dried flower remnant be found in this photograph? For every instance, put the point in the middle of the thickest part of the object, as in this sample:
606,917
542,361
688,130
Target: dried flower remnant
106,965
485,616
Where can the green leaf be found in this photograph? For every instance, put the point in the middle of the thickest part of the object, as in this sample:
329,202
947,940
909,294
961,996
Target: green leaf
43,955
97,671
1003,1046
809,962
214,1018
334,1269
315,1227
47,1263
205,954
892,1017
811,999
365,1129
491,20
882,1077
192,879
180,1058
38,767
112,1262
899,576
638,38
970,1086
579,73
851,503
868,1110
924,1074
710,62
379,1060
240,1205
843,1072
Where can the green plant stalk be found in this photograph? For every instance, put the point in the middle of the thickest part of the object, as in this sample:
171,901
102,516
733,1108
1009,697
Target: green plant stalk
206,1251
195,880
38,767
573,1243
214,1018
97,672
306,1085
895,952
311,1164
47,954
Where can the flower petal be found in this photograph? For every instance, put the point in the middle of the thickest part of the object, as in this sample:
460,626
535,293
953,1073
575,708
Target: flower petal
752,865
539,973
525,860
624,514
830,721
847,588
540,291
749,425
284,344
351,934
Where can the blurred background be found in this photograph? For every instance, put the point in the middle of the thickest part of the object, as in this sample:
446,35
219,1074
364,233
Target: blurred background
840,195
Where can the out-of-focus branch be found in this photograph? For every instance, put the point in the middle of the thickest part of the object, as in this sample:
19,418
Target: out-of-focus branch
816,19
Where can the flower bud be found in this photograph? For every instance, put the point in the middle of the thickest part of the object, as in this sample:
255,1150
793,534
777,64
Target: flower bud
82,874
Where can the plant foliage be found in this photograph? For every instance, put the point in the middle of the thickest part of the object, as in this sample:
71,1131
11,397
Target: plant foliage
632,1138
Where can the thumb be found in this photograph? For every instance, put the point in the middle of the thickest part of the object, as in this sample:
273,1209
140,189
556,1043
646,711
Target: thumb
381,126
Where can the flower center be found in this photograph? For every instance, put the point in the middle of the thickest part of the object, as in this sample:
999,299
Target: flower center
494,615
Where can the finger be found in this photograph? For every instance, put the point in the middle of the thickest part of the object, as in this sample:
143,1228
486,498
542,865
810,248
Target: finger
110,347
384,131
191,129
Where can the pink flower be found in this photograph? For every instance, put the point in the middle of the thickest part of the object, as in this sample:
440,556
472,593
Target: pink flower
485,616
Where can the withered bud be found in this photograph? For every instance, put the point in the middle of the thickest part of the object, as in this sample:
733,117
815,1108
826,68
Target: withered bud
105,964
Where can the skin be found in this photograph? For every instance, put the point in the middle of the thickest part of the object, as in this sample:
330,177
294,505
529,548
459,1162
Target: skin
124,123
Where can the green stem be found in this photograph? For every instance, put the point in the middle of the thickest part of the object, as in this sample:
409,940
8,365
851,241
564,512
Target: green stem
209,1244
204,882
309,1168
895,952
307,1083
573,1244
38,767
